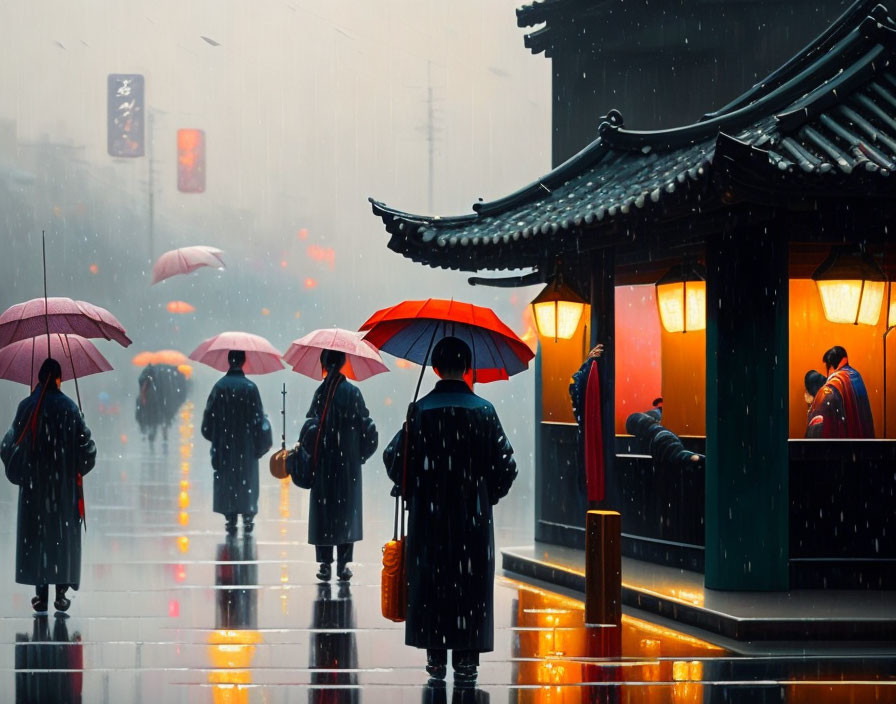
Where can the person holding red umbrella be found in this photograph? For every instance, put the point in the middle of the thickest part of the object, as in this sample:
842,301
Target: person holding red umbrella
46,452
451,463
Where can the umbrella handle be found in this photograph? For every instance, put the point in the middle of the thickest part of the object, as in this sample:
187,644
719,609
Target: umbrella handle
71,360
283,413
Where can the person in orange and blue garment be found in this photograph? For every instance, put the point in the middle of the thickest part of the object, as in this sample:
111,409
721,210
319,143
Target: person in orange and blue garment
841,408
459,464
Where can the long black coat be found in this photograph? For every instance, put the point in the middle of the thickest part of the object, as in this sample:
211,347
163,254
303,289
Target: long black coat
349,439
233,422
48,545
460,464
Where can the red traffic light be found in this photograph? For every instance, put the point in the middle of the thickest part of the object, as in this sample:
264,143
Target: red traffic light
191,161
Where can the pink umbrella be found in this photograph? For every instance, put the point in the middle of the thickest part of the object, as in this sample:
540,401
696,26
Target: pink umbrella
60,315
261,356
362,359
77,356
186,260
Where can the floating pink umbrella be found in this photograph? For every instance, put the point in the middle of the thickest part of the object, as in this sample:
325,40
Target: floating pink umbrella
261,356
362,359
77,356
59,315
186,260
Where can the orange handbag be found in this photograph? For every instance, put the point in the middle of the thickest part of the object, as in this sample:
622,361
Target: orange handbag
393,588
394,584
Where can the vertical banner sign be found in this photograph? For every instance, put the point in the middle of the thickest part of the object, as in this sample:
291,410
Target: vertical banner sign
191,161
125,114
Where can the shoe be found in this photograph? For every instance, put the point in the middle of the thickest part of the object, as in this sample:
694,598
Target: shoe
436,673
38,605
323,574
230,528
345,574
437,670
248,526
465,676
61,602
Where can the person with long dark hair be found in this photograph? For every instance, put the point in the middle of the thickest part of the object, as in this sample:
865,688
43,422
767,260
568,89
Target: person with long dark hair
339,437
47,452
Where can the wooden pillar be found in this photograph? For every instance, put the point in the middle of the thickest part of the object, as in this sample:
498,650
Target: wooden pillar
747,466
603,330
603,568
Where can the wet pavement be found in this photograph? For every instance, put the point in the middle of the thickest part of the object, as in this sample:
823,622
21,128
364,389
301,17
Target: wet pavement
172,610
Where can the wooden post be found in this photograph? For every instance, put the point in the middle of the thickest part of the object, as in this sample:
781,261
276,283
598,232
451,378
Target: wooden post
603,568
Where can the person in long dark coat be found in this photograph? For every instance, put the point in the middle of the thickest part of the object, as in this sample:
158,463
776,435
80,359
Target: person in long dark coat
240,434
459,464
58,451
347,440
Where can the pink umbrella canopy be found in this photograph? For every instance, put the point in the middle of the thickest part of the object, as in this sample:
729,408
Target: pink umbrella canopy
261,356
362,360
63,316
20,361
186,260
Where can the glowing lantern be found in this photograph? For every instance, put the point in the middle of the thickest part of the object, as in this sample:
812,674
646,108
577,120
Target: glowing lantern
183,543
851,287
681,299
558,310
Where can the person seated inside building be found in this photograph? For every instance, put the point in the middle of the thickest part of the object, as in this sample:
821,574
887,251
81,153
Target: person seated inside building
664,446
840,408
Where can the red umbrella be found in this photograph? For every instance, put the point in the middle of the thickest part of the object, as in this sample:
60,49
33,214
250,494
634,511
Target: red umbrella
59,315
261,356
76,355
410,330
186,260
362,361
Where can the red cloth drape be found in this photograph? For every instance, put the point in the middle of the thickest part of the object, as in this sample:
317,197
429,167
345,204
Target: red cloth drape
594,437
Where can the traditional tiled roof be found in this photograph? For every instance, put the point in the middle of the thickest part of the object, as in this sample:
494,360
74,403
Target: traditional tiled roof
823,125
542,12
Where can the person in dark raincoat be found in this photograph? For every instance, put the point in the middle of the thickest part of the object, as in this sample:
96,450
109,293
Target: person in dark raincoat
347,440
46,452
235,424
459,464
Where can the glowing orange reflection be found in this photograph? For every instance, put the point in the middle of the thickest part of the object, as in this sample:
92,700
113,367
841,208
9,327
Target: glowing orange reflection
556,653
231,654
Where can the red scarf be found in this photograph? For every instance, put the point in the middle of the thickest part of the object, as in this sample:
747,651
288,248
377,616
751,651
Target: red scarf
594,439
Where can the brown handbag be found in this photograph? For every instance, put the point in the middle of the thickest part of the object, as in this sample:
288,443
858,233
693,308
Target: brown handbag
394,584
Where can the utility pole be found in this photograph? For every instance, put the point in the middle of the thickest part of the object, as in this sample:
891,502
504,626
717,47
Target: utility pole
151,163
430,131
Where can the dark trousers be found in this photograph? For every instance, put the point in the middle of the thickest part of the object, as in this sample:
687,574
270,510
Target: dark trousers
460,659
344,553
248,519
43,591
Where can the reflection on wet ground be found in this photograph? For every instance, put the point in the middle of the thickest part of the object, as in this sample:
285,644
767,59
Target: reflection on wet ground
172,611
